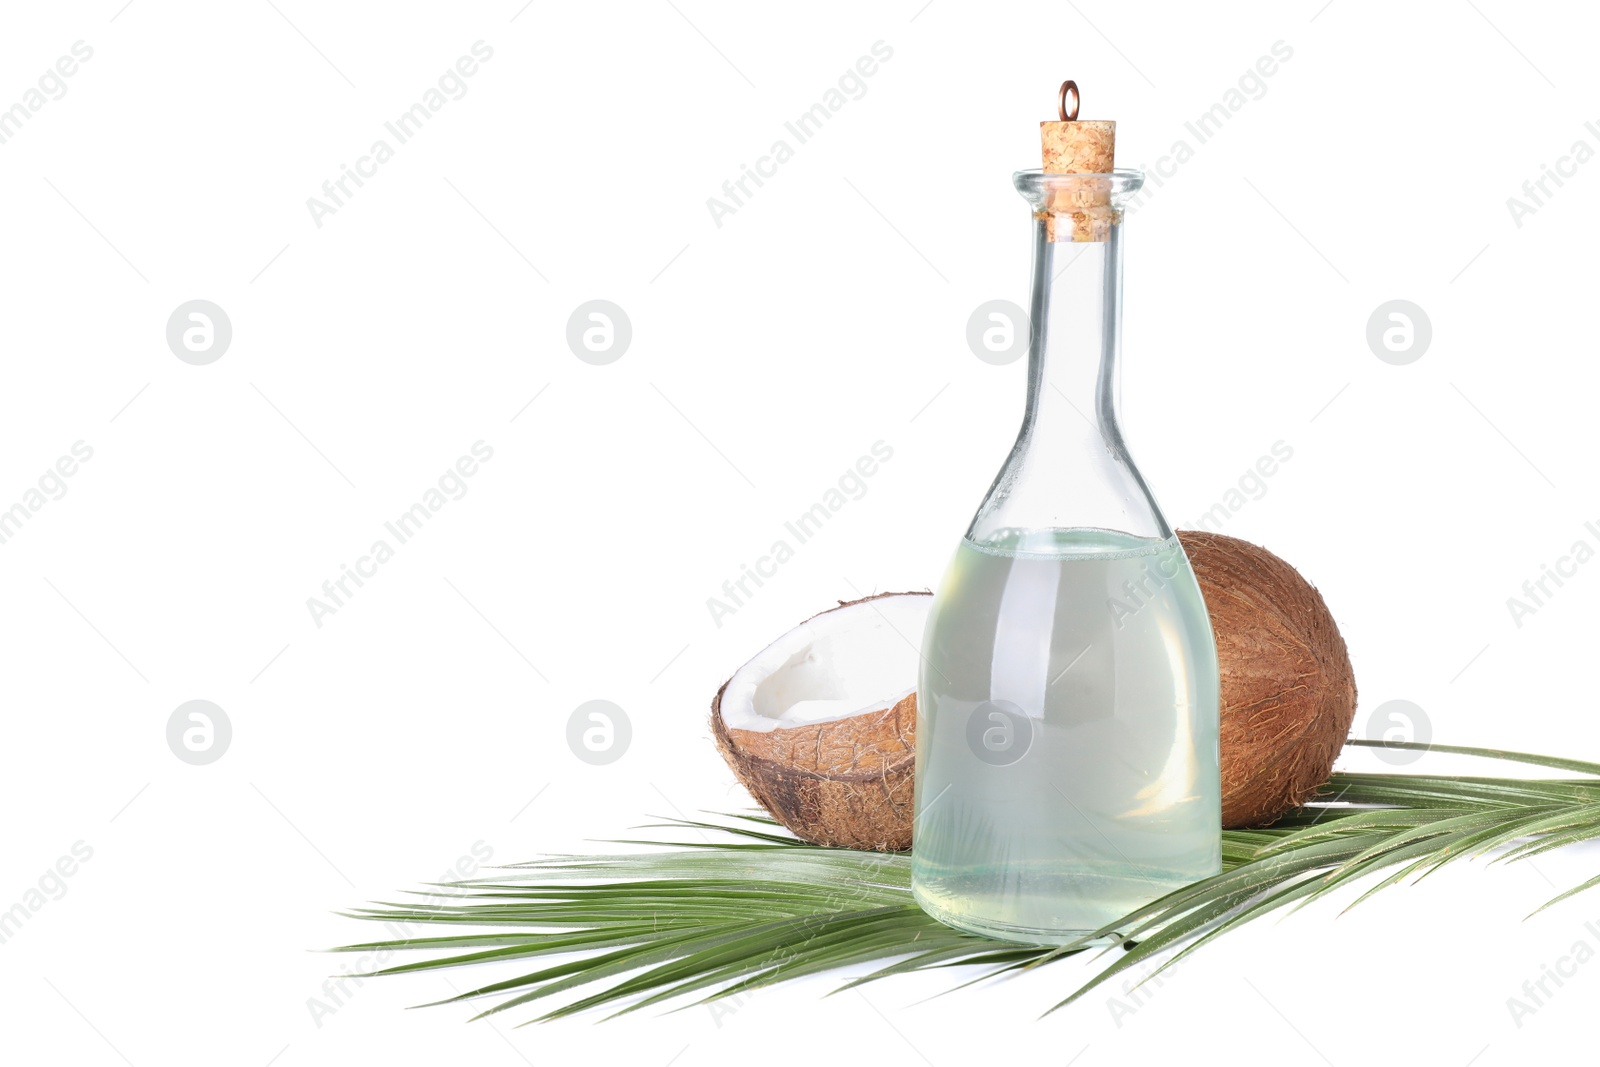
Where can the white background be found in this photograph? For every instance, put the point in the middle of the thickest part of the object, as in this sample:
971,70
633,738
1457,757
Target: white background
826,314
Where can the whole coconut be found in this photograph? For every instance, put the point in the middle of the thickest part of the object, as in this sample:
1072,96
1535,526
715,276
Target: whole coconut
1288,693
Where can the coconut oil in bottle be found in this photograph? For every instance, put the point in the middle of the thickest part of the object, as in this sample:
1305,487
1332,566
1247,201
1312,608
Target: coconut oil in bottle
1067,708
1068,734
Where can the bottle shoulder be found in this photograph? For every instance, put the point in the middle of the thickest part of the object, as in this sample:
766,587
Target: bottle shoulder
1059,485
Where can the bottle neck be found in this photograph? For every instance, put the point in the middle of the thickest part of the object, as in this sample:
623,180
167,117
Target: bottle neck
1070,468
1075,345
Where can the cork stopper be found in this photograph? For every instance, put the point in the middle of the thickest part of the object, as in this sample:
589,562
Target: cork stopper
1078,211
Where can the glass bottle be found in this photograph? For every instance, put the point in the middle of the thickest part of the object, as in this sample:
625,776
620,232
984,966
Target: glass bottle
1067,707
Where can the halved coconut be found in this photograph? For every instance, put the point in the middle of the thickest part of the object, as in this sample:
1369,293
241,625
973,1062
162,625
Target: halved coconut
820,726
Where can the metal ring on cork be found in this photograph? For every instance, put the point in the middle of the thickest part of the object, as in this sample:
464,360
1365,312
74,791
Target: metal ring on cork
1068,86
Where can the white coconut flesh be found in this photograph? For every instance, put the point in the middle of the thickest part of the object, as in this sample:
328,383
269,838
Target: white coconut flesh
855,659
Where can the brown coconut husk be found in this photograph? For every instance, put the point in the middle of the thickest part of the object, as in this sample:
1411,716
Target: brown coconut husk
843,784
1288,691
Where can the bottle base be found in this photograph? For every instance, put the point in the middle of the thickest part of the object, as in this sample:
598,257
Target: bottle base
1000,931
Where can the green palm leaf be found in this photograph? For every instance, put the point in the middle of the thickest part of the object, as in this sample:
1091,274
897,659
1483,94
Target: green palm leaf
692,921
